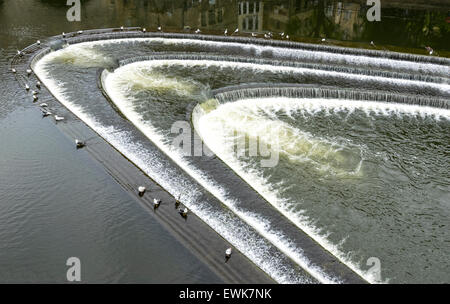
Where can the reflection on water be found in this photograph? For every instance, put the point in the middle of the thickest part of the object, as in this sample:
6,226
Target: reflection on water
405,24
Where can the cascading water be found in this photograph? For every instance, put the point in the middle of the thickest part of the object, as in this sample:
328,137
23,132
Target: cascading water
350,170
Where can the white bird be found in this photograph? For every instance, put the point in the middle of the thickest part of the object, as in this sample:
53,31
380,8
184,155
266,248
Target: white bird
159,28
29,72
372,43
80,144
38,42
27,87
35,98
14,70
266,36
228,253
34,92
177,202
254,35
287,36
38,85
144,29
323,39
46,113
43,105
141,190
64,35
59,118
121,28
282,34
198,31
236,31
80,32
225,32
156,203
183,212
20,53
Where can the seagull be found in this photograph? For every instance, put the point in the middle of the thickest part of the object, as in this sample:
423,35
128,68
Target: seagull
80,144
59,118
287,36
45,113
266,36
121,28
29,72
236,31
144,29
198,31
159,28
372,43
177,202
34,92
183,212
43,105
323,39
430,50
38,85
14,70
80,32
226,32
27,87
156,203
141,190
35,98
228,253
282,34
64,35
20,53
254,35
38,42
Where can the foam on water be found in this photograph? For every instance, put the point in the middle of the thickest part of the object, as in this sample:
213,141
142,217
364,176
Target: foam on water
142,78
81,55
256,119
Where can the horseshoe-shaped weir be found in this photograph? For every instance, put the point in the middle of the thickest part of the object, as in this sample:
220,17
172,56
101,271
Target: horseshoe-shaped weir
151,81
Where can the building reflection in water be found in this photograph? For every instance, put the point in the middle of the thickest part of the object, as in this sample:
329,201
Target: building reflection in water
408,23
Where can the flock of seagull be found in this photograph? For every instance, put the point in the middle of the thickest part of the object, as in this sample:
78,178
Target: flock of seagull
182,211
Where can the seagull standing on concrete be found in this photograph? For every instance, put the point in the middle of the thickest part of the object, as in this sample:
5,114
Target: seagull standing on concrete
141,190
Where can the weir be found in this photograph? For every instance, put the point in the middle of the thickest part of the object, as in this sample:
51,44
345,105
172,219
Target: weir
250,91
295,64
314,253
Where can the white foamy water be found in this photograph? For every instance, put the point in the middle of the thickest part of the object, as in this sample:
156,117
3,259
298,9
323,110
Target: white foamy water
81,55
